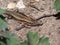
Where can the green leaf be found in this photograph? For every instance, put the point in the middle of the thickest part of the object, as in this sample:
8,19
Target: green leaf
12,39
32,38
57,4
36,38
1,43
2,11
3,24
24,43
44,41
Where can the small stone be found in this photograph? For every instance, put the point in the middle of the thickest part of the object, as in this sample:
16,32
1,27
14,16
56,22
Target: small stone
37,0
11,5
20,4
34,0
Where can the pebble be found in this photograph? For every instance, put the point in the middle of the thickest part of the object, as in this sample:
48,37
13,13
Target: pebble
11,5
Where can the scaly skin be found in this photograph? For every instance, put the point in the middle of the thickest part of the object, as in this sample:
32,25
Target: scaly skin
19,16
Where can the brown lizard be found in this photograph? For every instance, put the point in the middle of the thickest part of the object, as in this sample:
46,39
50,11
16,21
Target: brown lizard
19,16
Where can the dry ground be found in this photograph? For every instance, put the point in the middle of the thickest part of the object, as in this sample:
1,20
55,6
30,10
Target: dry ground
50,27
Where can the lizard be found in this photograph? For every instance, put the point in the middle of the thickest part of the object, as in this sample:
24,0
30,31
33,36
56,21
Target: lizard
21,17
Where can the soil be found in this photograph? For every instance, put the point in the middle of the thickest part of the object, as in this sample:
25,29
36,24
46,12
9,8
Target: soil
51,24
